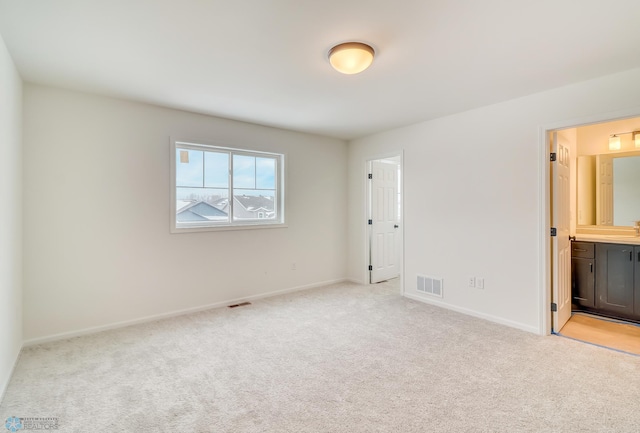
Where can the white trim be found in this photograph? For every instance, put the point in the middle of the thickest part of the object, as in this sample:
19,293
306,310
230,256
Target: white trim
474,313
5,386
544,224
544,240
354,281
402,236
155,317
230,228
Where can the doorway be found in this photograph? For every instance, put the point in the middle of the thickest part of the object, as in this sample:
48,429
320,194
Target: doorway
384,216
588,138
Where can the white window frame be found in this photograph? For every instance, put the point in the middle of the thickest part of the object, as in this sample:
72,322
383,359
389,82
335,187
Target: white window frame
201,226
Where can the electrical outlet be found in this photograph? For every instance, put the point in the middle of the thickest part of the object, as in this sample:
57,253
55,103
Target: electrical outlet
472,281
480,283
293,266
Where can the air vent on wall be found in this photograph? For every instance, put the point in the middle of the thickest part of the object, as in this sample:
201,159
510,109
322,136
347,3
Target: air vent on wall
430,285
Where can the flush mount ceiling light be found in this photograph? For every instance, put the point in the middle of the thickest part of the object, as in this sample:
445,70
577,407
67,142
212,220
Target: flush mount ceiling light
351,57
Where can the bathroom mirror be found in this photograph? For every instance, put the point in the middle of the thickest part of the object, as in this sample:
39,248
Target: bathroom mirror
608,189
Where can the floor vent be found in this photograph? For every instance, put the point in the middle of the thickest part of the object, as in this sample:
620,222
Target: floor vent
430,285
241,304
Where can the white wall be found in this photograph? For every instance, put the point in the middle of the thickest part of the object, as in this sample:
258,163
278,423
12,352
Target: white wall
11,226
472,196
97,245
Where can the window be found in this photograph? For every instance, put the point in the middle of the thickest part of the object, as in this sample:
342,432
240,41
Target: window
219,187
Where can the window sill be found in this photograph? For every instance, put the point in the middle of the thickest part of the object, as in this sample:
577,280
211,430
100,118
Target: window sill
178,230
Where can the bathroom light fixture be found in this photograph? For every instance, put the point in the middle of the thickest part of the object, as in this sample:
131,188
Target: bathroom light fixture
614,139
614,142
351,57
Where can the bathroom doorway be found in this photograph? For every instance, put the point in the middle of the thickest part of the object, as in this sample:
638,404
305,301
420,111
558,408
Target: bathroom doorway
590,205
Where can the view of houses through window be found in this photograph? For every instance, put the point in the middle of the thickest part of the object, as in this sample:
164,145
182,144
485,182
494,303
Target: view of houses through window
217,186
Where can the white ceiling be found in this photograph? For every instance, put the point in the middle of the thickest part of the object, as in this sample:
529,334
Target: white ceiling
264,61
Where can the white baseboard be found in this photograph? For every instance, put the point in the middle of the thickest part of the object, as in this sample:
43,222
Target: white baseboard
5,385
95,329
469,312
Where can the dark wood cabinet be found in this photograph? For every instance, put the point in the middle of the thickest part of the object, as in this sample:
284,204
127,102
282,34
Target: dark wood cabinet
606,278
636,285
583,274
615,279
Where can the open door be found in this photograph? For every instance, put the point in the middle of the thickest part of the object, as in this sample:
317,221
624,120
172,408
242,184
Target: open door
561,244
384,222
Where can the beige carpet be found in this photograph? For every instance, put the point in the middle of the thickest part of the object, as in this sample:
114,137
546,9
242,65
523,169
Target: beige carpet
603,332
344,358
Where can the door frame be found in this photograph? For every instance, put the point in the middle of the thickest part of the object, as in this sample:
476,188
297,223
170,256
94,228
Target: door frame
544,181
367,210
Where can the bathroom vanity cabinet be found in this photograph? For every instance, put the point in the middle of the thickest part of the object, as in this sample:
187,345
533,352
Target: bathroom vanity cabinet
583,274
606,278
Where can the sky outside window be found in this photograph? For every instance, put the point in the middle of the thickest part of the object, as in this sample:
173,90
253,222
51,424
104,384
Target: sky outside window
251,173
189,168
216,170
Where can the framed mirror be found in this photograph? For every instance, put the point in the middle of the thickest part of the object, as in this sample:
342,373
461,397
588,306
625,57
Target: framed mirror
608,189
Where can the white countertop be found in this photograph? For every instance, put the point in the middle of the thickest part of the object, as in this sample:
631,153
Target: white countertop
611,239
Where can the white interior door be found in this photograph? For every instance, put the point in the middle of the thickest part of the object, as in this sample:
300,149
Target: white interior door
604,192
385,232
561,245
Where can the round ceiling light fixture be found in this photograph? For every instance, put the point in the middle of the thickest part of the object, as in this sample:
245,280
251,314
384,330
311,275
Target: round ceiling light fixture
351,57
